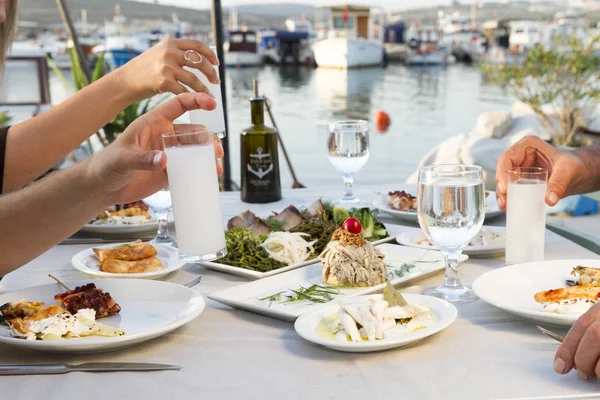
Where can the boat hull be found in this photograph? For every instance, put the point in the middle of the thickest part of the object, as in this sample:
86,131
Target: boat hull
243,59
348,53
432,58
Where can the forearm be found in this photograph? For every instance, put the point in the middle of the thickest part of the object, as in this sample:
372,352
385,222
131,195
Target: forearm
34,146
590,177
41,215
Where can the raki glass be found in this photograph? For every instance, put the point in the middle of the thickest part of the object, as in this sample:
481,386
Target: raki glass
451,210
348,151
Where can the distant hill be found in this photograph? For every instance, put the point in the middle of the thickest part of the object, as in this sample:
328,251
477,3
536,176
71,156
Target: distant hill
46,12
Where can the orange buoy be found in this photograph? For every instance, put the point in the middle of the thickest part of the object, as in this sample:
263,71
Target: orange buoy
382,122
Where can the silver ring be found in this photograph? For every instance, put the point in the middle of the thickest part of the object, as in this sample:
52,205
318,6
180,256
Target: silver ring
186,55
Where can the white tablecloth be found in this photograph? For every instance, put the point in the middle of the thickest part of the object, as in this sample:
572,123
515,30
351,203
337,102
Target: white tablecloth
229,354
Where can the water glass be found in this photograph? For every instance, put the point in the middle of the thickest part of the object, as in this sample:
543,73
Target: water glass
348,150
160,203
526,215
194,186
451,210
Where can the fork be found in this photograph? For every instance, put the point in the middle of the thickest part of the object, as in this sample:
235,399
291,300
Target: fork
193,282
553,335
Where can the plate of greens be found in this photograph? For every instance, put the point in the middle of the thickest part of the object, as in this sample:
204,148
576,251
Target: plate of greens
288,295
293,238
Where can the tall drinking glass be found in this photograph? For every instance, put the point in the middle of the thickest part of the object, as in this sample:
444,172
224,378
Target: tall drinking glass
451,209
348,148
191,168
526,215
160,203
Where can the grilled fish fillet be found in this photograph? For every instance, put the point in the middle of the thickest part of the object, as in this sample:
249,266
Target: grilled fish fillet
586,292
126,252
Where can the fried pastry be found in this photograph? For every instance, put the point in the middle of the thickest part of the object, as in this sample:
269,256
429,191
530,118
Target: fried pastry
126,252
131,267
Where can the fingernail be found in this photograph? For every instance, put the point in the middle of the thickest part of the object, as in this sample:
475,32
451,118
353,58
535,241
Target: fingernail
211,95
500,187
584,376
216,81
553,197
156,161
559,366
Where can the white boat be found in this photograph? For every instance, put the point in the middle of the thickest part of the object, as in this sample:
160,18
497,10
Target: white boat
350,39
424,47
242,49
290,46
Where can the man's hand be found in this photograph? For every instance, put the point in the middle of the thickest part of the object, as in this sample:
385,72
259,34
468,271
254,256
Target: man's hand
566,170
133,167
581,348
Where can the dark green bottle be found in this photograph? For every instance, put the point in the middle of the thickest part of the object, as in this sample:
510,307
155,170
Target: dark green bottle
259,159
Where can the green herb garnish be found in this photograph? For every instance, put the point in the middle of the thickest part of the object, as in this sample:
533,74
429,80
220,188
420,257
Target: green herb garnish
313,294
244,251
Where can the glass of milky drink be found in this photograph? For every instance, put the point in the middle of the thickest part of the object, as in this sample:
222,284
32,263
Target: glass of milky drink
194,186
526,215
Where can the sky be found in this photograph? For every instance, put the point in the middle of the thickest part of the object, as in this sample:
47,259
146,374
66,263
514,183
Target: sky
391,4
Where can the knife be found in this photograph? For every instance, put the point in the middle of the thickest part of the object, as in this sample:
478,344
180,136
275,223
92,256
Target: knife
96,241
50,369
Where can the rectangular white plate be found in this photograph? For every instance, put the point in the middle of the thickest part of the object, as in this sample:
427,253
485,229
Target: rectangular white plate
246,296
393,230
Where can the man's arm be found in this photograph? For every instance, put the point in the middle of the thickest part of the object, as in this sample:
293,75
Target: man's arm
41,215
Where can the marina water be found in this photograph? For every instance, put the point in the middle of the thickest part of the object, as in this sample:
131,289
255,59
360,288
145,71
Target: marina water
426,104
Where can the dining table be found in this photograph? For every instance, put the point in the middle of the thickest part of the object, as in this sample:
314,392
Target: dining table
487,353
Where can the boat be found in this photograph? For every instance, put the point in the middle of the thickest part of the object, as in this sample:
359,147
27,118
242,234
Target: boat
123,41
395,48
424,47
290,46
350,39
242,49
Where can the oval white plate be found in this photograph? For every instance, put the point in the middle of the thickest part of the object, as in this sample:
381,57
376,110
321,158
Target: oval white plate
148,309
86,261
380,203
408,237
512,288
445,314
120,229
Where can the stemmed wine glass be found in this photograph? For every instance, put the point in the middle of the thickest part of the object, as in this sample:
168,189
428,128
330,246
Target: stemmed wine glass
451,209
348,150
160,203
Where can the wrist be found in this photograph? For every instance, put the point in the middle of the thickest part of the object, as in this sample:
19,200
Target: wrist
127,92
588,170
94,184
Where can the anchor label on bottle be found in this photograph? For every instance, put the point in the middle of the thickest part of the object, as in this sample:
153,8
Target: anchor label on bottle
260,164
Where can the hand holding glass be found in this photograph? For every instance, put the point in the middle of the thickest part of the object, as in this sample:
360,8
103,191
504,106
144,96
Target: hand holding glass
348,150
451,210
194,190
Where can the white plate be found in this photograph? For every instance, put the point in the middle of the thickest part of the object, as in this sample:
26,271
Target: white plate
122,229
148,309
246,296
86,261
393,230
380,203
512,288
408,237
445,314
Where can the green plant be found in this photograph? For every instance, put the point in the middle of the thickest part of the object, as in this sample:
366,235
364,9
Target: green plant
566,80
4,118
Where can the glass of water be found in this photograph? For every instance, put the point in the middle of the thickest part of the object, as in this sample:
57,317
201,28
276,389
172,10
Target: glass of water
160,203
451,210
348,150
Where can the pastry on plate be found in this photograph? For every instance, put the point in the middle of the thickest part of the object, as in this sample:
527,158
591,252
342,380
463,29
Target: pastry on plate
127,252
131,267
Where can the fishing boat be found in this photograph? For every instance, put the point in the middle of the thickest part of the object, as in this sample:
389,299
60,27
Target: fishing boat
351,38
290,46
242,49
395,48
424,47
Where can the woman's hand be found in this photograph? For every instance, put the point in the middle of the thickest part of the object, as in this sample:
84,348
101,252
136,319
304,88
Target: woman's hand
581,348
160,69
133,167
565,169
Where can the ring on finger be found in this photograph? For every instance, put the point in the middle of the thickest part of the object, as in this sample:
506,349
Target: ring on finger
192,57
